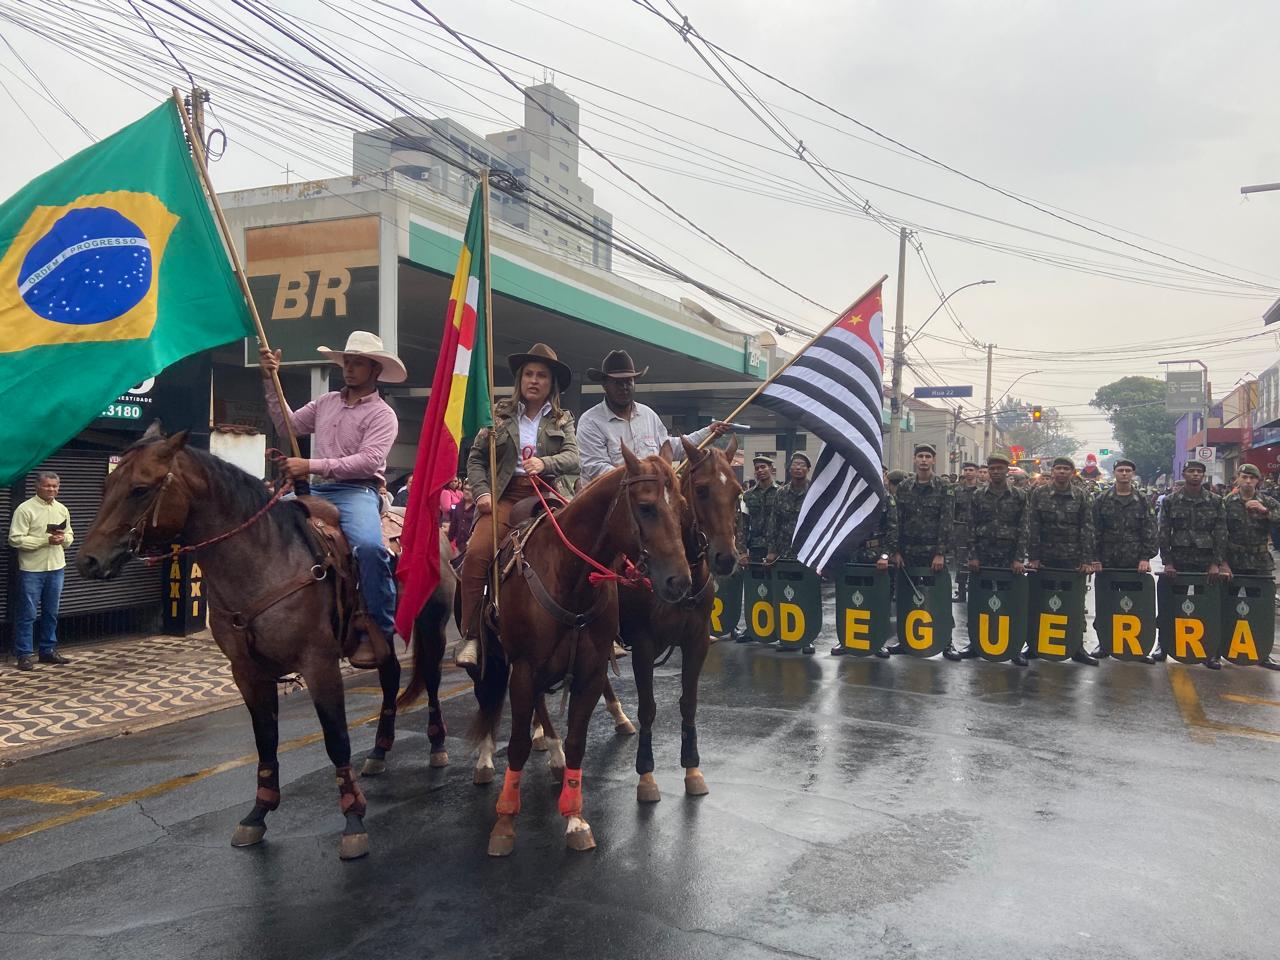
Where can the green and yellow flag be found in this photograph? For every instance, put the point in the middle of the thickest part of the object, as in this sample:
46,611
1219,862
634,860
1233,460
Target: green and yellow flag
111,268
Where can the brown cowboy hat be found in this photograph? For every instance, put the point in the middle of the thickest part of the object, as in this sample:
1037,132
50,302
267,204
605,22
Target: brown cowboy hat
541,353
618,365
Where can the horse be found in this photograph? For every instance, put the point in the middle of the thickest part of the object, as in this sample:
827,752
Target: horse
651,625
556,625
258,554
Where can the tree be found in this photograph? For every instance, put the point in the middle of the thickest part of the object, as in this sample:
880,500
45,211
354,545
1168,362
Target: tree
1135,408
1051,437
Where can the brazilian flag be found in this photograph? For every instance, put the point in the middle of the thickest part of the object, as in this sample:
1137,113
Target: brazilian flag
111,268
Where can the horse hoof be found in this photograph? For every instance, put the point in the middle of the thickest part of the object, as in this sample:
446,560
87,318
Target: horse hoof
483,776
440,758
540,744
695,785
581,839
626,728
353,846
501,846
247,835
647,791
373,766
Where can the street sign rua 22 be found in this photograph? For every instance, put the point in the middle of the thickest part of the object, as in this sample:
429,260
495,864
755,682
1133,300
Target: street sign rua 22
938,393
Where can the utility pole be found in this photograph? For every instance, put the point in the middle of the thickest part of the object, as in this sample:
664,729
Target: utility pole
986,425
196,100
899,349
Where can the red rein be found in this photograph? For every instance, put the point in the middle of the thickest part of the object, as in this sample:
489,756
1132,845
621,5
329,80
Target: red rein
630,576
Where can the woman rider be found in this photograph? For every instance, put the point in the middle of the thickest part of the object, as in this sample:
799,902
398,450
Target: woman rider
534,437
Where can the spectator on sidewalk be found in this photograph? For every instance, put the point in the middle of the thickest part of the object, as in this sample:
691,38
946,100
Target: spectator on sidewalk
40,532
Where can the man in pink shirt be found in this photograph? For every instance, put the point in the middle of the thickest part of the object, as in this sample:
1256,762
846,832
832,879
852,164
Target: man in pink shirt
354,429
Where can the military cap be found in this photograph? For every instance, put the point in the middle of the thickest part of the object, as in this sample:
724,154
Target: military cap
926,448
897,476
762,458
997,457
801,456
967,464
1064,462
1125,463
1193,465
1250,470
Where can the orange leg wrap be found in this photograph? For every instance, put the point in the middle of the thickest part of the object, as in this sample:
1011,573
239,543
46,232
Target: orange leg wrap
571,794
509,798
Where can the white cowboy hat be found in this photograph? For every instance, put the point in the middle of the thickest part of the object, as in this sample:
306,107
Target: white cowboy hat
361,343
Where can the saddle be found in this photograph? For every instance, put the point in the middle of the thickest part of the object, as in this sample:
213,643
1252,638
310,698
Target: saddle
525,517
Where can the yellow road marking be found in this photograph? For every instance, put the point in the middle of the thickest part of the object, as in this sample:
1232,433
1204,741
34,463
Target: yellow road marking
47,793
1200,726
1245,698
174,783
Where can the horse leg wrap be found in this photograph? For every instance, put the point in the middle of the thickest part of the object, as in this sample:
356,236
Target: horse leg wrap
350,796
644,753
509,798
571,794
386,734
689,746
268,795
436,730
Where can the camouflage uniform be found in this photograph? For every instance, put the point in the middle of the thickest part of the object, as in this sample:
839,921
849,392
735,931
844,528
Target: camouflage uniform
753,523
1193,531
782,520
962,535
926,516
1126,530
998,526
885,539
1060,527
1248,535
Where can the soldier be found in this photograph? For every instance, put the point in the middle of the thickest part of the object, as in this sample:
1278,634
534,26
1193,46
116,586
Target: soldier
753,520
998,532
984,475
964,496
1125,526
878,549
1061,533
892,480
1250,515
786,510
926,515
1193,534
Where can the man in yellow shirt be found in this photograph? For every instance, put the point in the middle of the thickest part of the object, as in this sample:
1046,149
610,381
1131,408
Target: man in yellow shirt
40,532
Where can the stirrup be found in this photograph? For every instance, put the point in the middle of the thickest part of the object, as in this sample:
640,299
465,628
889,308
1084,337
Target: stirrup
468,653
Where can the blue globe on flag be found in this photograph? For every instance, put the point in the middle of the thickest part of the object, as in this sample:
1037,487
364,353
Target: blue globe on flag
92,266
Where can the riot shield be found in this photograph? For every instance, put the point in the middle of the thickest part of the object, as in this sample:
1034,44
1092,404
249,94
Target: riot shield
862,609
997,613
1189,617
797,604
762,618
925,618
726,610
1248,619
1055,619
1125,613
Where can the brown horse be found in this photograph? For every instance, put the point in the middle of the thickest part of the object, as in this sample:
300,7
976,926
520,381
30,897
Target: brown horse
557,626
255,559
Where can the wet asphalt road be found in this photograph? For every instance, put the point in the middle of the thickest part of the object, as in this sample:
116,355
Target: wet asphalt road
868,808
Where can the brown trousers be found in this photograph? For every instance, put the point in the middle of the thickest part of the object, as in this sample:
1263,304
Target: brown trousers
479,556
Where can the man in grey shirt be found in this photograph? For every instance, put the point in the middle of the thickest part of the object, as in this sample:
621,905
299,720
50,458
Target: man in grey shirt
620,419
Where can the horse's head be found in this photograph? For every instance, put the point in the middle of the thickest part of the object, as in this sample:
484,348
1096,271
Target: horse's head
651,494
144,503
712,492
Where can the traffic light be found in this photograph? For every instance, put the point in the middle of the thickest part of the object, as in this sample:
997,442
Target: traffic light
1036,413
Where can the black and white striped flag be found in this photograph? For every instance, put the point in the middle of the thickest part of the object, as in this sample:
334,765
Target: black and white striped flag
833,388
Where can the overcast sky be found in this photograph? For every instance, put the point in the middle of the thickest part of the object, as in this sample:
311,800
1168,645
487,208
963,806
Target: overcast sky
1145,117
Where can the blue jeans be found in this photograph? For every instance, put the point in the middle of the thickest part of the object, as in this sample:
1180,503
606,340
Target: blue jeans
42,589
362,526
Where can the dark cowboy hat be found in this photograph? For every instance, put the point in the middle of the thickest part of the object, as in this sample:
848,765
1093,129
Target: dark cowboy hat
541,353
618,365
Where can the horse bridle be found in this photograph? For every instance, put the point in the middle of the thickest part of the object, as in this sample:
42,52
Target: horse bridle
138,532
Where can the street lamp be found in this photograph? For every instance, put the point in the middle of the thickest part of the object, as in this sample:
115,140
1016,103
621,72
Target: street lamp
988,428
1029,373
920,329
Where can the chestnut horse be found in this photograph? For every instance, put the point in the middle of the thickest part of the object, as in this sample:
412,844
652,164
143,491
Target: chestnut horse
555,625
163,490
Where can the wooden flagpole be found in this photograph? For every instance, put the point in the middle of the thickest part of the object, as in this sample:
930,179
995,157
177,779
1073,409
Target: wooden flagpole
202,169
774,376
488,335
